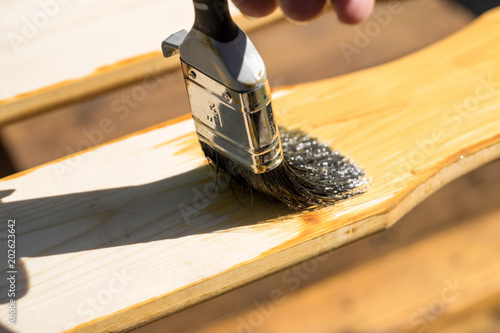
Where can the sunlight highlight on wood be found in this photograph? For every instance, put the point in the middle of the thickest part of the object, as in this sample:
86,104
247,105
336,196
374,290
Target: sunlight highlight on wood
134,230
59,52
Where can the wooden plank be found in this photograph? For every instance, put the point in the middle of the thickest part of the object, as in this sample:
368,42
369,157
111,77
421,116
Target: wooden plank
56,52
464,201
59,132
480,317
423,287
97,225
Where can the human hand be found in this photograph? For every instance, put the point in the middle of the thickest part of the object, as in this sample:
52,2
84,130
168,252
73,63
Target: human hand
348,11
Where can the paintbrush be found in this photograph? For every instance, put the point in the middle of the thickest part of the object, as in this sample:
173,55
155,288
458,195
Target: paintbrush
231,104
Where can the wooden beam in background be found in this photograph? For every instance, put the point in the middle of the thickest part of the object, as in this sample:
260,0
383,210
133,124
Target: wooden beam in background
61,53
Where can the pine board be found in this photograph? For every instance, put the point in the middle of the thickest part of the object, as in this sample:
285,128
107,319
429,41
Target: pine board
129,232
58,52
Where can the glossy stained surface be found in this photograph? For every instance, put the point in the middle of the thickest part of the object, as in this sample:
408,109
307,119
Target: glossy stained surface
311,174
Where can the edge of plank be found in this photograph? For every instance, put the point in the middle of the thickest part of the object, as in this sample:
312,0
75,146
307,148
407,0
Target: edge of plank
152,310
305,245
145,130
103,79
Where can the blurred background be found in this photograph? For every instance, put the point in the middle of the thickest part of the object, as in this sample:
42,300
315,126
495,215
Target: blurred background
427,266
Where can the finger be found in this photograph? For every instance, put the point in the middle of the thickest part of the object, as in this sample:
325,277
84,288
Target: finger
353,11
256,8
302,10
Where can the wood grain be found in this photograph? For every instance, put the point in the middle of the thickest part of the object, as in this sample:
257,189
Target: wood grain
466,200
60,52
319,57
417,288
135,225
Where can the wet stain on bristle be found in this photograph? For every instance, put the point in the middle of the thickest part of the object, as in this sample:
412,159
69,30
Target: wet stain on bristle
311,175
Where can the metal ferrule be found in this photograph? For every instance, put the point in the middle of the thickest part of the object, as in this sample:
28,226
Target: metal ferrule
238,124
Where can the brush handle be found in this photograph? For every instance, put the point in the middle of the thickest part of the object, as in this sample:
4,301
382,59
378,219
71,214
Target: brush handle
213,18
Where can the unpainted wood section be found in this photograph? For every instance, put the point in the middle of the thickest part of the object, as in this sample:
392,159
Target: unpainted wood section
143,208
66,52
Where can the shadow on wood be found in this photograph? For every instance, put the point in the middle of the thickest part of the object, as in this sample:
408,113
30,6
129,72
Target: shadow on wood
115,217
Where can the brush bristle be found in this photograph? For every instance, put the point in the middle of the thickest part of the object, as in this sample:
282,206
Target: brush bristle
311,174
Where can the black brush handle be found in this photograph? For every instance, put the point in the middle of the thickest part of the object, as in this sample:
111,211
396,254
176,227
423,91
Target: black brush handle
212,17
